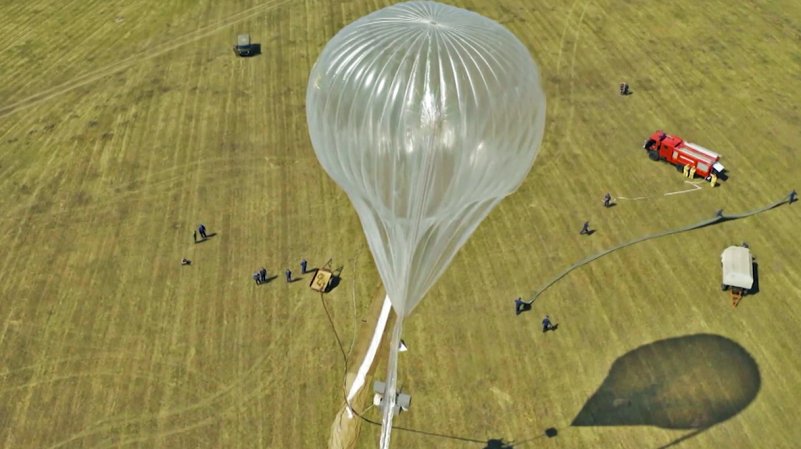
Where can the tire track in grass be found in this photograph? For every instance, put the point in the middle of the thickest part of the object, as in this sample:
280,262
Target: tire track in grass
554,115
97,356
212,401
558,95
25,28
91,77
574,52
80,51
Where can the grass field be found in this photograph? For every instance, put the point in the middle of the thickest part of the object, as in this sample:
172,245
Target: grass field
123,125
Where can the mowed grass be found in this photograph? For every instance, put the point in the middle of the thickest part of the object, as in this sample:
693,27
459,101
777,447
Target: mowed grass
123,125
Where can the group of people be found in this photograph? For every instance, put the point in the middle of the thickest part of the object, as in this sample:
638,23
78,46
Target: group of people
521,306
260,277
608,202
201,229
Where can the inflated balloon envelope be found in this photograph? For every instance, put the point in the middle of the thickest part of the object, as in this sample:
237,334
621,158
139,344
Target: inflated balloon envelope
427,116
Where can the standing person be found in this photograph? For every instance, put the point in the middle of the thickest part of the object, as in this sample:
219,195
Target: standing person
288,274
607,199
585,228
303,265
520,306
547,324
194,236
202,231
263,275
257,278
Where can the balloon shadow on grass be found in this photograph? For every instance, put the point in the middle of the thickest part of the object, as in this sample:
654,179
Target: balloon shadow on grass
692,382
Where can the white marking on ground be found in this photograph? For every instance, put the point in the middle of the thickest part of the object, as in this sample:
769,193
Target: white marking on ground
695,186
358,382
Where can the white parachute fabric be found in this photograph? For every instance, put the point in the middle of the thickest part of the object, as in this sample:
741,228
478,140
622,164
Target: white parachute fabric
427,116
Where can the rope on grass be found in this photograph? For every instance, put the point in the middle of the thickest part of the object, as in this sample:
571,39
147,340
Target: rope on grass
718,218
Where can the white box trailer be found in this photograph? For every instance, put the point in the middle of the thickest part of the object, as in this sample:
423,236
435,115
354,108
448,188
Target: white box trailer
738,271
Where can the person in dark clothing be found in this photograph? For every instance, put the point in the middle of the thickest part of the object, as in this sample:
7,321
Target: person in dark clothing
624,89
547,324
263,275
520,306
257,278
585,228
202,231
607,199
288,274
303,265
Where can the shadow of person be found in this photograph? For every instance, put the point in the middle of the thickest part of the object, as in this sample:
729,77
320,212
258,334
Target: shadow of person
270,278
498,444
333,283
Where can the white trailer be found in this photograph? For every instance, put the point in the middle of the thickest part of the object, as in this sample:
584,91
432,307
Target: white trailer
738,271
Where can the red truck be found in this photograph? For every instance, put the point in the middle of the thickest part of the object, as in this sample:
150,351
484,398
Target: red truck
665,147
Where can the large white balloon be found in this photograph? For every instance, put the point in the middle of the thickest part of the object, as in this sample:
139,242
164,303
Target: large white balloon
427,116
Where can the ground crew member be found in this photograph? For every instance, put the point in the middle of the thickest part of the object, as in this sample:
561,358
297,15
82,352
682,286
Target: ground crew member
288,275
263,275
546,324
185,261
303,265
686,170
520,306
257,278
585,228
692,173
607,200
713,180
202,231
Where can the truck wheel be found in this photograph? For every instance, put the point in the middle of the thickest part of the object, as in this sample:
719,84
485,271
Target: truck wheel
679,168
724,287
653,155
